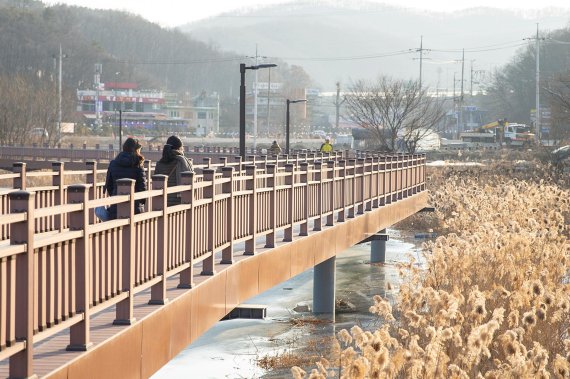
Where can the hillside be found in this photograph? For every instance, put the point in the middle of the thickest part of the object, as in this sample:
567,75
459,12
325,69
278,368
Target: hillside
129,47
348,39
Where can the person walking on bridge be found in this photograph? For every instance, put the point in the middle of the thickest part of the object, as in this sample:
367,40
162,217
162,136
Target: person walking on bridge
127,165
275,149
326,147
172,164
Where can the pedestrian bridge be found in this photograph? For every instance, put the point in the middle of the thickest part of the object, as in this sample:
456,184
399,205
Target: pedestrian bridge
118,299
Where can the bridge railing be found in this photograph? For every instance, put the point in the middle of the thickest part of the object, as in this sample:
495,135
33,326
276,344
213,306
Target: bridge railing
57,277
151,151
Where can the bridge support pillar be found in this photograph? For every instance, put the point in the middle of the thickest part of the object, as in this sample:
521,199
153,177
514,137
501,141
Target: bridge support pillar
324,282
378,249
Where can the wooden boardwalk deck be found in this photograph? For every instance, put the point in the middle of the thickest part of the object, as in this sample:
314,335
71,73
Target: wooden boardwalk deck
51,353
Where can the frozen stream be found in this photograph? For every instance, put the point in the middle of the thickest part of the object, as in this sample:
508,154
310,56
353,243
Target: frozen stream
231,348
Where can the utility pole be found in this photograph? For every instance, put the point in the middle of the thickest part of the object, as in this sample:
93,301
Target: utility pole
421,51
421,57
337,103
97,80
59,96
461,97
537,122
471,79
537,129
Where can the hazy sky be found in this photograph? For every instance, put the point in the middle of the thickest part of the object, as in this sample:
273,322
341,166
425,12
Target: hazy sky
177,12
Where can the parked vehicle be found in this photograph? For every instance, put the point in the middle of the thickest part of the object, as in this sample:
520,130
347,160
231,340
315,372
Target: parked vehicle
499,133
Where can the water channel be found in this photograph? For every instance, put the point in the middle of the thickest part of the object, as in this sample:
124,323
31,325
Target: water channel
232,349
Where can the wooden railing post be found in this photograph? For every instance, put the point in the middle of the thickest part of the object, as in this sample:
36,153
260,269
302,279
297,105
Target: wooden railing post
390,179
407,159
342,194
360,171
158,291
271,169
20,182
318,222
228,188
352,175
399,176
305,181
415,170
422,168
187,197
290,183
369,163
92,179
148,173
21,363
124,309
208,266
207,162
331,177
251,185
59,182
79,334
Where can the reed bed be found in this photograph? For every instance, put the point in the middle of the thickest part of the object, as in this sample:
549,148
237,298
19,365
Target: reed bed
492,299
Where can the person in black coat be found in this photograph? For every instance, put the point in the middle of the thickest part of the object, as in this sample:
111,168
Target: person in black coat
172,164
127,165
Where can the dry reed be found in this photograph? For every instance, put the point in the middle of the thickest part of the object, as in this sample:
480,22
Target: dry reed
493,299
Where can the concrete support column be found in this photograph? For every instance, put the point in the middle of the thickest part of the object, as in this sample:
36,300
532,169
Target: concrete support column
324,282
378,249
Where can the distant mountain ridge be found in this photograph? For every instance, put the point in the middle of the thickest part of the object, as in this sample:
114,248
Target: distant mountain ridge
343,40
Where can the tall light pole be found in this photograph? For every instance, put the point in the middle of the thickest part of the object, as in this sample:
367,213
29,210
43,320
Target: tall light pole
268,97
287,132
242,68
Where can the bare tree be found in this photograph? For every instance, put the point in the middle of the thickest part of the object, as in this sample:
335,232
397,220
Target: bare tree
394,112
558,92
28,103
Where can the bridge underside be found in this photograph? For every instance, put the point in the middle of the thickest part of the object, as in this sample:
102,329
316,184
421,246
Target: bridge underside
140,350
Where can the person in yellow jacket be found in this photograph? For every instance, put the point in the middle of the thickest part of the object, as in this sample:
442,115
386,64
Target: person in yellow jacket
275,149
326,147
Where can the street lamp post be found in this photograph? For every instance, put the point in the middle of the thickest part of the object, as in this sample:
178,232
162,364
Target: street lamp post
242,68
287,122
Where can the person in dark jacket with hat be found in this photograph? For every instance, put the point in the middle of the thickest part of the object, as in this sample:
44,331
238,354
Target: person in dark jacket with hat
172,164
127,165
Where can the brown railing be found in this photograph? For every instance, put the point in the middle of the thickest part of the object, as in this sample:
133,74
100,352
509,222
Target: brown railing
59,266
84,153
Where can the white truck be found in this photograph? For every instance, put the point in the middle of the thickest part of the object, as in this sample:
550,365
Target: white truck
499,133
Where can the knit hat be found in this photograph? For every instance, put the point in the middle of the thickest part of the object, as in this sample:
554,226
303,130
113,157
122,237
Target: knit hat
175,142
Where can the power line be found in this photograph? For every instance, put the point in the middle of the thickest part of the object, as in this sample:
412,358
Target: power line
479,50
191,61
330,59
349,58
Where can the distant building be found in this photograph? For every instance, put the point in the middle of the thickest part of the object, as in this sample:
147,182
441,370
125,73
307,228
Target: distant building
149,109
201,113
140,109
